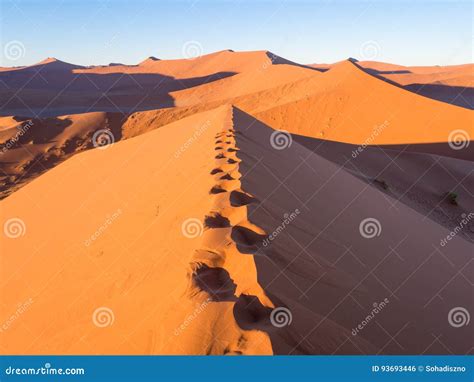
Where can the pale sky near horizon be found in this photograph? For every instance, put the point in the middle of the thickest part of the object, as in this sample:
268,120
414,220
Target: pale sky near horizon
97,32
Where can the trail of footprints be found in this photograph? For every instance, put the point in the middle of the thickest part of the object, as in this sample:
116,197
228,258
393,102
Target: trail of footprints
227,232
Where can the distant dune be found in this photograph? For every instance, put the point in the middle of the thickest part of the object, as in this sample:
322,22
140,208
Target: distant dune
451,84
235,203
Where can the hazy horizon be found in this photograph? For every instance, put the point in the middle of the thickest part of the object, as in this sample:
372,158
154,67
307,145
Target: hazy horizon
99,32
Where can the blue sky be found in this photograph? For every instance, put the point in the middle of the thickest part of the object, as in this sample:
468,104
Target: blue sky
102,31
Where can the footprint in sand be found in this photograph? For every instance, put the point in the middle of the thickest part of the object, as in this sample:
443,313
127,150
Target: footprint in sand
216,220
216,171
227,228
225,186
227,177
251,314
216,282
240,198
248,239
217,190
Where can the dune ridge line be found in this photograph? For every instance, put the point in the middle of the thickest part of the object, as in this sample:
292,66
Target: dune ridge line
219,271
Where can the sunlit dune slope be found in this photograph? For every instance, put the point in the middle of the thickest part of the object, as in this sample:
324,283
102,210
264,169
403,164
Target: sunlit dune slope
342,104
222,61
124,224
246,83
451,84
348,105
454,75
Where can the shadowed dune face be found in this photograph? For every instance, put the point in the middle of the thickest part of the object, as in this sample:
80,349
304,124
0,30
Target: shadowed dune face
412,177
321,268
259,206
53,87
462,96
44,92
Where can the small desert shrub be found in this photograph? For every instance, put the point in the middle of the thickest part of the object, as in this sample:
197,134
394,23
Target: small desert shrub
382,183
452,198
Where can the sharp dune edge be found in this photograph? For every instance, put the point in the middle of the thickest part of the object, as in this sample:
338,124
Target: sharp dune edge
192,230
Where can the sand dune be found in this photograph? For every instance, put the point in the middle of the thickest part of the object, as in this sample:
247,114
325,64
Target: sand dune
181,264
335,105
156,83
419,180
351,106
326,273
342,104
326,104
223,61
99,244
54,88
220,62
29,147
133,258
246,83
450,84
236,203
454,75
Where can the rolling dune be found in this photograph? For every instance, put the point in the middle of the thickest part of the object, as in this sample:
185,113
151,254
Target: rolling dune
249,205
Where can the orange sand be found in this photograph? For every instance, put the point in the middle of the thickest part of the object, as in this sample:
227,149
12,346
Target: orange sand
170,240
